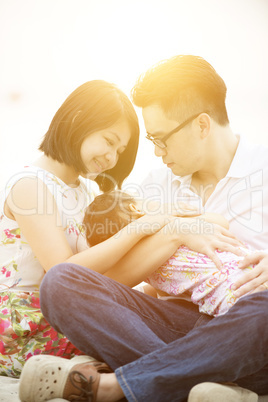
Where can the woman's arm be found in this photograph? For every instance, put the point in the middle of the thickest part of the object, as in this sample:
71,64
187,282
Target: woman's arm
148,255
215,218
151,252
184,210
208,217
34,208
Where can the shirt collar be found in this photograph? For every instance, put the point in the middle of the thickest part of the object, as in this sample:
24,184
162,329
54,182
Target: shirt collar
241,164
184,180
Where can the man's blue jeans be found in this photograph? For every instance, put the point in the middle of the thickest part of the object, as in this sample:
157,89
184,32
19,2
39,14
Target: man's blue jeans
158,349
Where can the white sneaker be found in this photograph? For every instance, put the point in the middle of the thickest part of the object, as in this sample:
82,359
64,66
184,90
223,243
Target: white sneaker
212,392
46,377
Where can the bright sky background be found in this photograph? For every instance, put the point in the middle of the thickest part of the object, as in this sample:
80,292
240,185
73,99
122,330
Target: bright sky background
49,47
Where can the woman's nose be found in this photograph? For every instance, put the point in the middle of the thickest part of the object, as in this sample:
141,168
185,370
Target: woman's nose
112,158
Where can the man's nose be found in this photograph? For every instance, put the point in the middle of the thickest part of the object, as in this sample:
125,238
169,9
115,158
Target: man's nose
159,151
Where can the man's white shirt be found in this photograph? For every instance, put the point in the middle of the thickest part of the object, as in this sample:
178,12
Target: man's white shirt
241,196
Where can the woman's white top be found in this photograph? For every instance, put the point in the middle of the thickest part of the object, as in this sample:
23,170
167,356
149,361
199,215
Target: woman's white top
19,268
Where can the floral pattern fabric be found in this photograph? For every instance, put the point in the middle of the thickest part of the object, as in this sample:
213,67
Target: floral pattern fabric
24,332
194,276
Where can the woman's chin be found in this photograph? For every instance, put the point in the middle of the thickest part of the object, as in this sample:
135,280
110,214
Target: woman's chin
89,175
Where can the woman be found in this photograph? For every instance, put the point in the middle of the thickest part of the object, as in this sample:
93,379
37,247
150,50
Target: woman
94,131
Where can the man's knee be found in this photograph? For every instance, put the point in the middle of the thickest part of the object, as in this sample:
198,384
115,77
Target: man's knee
253,310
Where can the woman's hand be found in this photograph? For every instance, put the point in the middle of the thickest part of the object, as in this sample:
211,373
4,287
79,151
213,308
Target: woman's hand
184,209
178,209
206,237
150,224
255,280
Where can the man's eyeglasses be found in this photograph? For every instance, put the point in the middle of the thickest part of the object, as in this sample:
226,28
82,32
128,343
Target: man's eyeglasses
161,142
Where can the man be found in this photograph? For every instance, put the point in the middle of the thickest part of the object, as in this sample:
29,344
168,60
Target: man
208,163
183,106
160,350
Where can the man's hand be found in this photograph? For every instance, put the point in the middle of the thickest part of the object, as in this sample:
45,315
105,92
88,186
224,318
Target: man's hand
206,238
255,280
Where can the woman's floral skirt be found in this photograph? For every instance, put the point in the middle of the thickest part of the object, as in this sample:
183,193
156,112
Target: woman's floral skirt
24,332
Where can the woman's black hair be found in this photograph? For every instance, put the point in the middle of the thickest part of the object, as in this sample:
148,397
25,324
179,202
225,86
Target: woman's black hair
93,106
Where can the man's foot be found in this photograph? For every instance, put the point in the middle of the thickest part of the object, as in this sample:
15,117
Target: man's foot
212,392
47,377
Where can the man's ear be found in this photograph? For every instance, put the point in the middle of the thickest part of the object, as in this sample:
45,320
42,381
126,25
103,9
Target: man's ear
204,122
134,208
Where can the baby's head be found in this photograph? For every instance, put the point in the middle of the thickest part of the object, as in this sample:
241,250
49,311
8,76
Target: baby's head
109,213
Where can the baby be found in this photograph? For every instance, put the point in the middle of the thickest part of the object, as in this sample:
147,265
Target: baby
187,274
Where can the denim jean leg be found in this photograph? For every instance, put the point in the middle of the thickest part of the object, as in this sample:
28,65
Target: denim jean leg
108,320
231,347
